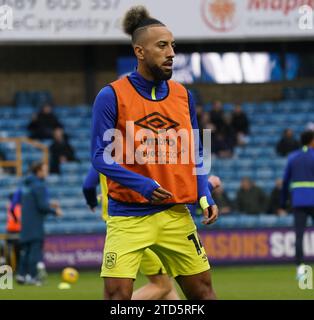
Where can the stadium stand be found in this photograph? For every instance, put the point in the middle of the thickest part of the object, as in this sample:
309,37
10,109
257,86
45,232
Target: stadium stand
257,159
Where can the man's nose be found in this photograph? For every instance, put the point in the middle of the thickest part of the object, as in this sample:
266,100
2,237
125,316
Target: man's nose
170,52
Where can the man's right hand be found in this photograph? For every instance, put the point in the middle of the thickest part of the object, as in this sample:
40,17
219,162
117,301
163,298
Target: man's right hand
160,194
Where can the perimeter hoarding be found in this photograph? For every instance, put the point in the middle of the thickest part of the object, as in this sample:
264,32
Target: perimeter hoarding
223,247
100,20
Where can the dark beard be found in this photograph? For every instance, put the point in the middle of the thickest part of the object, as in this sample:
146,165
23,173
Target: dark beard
158,74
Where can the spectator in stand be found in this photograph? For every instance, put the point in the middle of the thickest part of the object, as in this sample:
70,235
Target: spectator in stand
221,198
240,124
274,206
217,115
239,120
204,122
287,143
43,123
228,130
250,198
60,151
222,145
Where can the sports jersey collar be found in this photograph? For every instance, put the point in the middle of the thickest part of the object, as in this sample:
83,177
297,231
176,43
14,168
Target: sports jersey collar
150,89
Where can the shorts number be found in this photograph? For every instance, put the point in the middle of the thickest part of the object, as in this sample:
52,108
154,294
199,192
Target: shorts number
197,243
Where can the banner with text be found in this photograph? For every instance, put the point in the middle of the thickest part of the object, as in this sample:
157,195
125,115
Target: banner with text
100,20
222,246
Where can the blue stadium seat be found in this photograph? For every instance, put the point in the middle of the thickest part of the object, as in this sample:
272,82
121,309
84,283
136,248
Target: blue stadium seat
2,228
79,144
39,98
76,179
85,166
247,221
70,167
267,220
3,216
244,163
83,155
291,93
22,98
264,174
265,107
309,93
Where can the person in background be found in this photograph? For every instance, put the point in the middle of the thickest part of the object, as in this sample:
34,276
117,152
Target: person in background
299,178
274,206
240,123
217,114
240,120
222,145
250,198
43,123
222,200
60,151
35,206
13,228
287,143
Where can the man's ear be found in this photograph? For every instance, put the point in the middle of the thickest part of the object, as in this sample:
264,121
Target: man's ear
139,52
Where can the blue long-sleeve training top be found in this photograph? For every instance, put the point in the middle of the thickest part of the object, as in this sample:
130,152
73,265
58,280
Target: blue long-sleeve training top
104,118
92,180
299,179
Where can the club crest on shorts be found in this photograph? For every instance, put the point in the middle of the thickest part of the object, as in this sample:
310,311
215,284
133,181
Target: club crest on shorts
204,257
110,260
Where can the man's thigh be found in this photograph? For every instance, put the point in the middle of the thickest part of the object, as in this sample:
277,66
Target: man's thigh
126,240
178,244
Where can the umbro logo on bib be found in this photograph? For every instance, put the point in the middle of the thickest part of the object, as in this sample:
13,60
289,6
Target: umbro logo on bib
156,121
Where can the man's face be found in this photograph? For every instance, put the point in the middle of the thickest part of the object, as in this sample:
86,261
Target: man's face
158,52
246,184
58,134
43,172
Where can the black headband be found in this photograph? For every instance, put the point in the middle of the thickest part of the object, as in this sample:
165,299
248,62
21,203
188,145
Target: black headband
147,22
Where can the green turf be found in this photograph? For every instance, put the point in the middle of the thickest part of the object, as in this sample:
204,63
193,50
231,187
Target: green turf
254,282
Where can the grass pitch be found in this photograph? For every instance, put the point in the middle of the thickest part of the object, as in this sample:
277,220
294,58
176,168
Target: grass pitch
230,283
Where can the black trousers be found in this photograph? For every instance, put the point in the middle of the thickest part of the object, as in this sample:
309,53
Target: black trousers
300,218
31,253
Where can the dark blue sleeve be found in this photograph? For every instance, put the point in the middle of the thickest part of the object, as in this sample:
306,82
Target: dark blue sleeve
16,199
90,187
42,203
285,185
104,118
92,179
202,179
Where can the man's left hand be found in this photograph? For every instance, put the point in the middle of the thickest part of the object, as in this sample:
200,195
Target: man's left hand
210,214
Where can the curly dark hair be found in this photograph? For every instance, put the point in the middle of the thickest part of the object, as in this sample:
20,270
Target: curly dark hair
133,18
